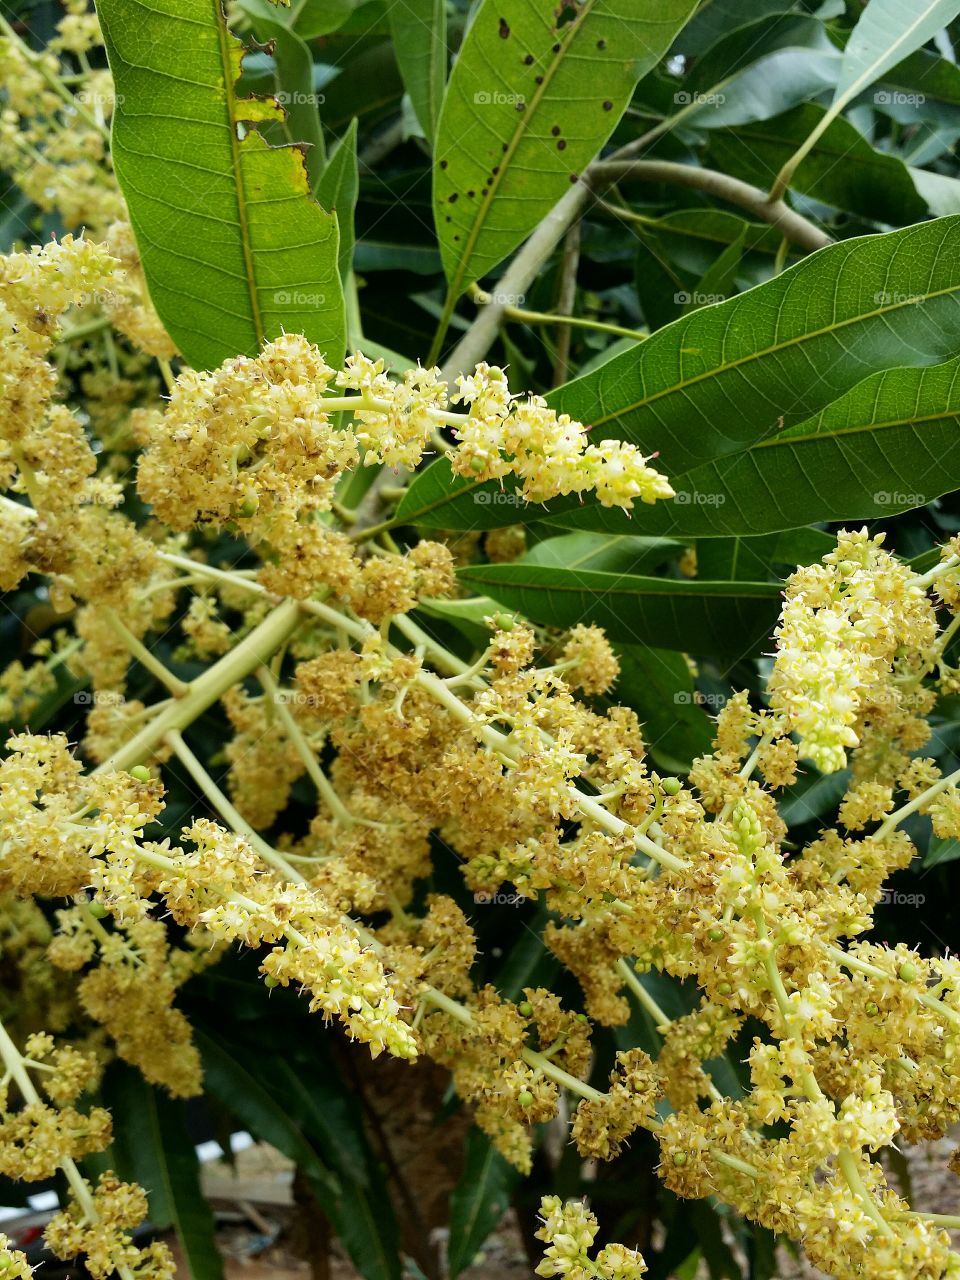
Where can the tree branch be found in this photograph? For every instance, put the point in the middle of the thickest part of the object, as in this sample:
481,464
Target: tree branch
793,226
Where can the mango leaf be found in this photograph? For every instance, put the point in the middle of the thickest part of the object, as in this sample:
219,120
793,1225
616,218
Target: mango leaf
479,1201
239,1089
152,1147
715,21
534,94
620,554
317,1125
727,618
889,445
234,250
271,26
782,351
754,559
887,32
419,29
314,18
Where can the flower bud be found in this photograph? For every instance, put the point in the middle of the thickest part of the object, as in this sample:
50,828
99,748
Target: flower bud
670,786
525,1009
525,1098
140,772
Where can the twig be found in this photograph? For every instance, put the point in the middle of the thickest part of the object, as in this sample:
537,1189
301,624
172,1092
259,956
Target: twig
794,227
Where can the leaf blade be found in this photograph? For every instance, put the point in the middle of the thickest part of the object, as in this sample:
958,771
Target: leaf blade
233,249
524,111
725,617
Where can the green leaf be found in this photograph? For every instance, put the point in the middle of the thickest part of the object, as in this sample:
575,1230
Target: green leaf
234,250
658,685
711,617
239,1089
716,19
888,445
531,99
887,32
620,554
753,559
314,18
842,169
294,79
152,1147
779,352
479,1201
337,191
316,1124
419,29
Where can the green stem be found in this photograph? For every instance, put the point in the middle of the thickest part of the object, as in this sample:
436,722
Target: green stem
573,322
14,1063
253,651
138,649
898,816
227,811
296,735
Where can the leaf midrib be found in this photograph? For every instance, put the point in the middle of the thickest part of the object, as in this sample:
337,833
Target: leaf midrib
862,428
525,117
809,335
760,590
223,36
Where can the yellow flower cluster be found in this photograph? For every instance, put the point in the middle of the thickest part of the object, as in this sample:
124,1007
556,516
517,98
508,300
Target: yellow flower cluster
314,655
569,1230
499,435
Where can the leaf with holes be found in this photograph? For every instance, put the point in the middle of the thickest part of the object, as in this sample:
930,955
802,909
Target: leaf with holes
535,92
234,249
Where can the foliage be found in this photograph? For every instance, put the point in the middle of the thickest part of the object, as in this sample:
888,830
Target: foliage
551,732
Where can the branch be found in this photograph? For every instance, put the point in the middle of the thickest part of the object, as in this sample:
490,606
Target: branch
793,226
